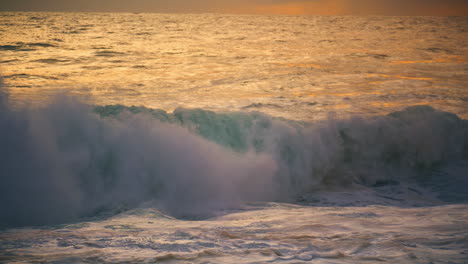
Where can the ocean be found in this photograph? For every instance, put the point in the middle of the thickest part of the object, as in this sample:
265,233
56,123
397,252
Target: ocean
210,138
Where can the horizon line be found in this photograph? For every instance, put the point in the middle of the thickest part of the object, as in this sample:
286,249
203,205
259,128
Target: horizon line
224,13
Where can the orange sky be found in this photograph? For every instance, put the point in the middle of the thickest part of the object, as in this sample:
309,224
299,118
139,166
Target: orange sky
287,7
323,7
358,7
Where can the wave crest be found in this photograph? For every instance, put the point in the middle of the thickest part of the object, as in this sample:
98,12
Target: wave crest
69,160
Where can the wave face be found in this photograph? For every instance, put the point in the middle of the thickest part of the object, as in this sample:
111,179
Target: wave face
69,160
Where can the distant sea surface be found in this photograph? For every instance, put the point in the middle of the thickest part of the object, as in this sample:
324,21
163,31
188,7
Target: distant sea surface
299,67
208,138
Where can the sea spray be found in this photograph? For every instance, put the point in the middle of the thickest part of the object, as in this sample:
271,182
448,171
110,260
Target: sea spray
331,151
63,162
68,160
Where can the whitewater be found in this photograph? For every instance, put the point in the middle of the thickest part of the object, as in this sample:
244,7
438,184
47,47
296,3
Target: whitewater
206,138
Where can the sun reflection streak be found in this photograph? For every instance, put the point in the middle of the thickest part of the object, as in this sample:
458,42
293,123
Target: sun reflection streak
436,60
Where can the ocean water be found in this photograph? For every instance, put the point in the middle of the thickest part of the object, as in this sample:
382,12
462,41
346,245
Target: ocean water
163,138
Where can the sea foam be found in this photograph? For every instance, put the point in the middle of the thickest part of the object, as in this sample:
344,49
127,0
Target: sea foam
68,160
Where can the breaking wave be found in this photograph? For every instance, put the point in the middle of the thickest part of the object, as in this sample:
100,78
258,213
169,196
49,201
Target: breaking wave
69,160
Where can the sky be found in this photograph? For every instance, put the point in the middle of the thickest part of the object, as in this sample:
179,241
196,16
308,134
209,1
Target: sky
287,7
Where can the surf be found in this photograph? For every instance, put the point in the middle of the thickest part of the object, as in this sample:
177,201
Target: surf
67,160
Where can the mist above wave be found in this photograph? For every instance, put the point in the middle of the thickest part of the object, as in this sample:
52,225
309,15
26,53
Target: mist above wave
69,160
63,162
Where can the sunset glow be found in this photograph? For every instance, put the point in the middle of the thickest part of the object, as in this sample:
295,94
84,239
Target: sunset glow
281,7
322,7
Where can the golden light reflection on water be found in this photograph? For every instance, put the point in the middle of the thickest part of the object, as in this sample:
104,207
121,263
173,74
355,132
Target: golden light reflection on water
397,104
457,59
295,64
337,106
317,94
401,77
299,65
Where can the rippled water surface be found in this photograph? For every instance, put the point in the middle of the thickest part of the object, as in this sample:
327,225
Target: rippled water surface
299,67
